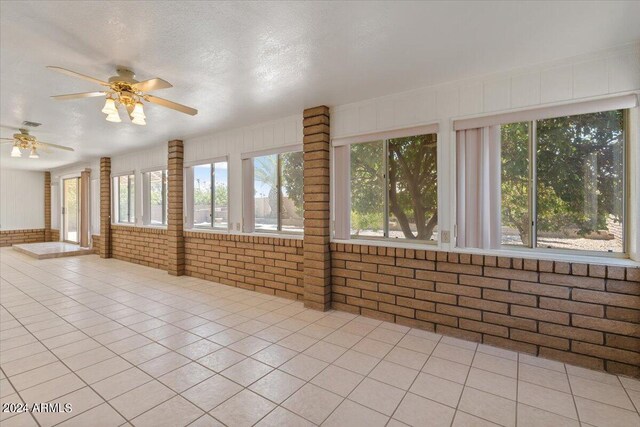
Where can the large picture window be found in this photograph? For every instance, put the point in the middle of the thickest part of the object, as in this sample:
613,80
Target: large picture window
394,188
210,207
155,209
563,182
277,184
124,199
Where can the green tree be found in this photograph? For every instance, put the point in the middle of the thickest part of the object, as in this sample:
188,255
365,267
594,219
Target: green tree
579,173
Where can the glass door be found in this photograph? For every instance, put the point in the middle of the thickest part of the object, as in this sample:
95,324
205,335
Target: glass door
71,210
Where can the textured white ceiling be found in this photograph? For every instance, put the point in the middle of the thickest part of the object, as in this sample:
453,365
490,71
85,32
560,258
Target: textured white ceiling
241,63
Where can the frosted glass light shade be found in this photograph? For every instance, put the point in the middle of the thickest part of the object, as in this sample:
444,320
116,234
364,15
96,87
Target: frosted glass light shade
109,106
114,117
15,151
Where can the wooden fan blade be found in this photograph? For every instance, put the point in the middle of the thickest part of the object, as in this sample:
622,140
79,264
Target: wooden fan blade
78,95
6,139
152,84
61,147
172,105
78,75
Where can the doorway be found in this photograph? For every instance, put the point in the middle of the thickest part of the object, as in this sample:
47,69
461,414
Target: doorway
71,210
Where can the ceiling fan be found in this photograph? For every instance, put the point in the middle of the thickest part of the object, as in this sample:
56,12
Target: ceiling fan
124,89
25,141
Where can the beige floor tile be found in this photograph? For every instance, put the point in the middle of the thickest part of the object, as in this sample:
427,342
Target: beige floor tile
297,342
274,355
592,375
630,383
249,345
273,334
247,371
312,403
121,383
393,374
220,360
462,419
128,344
446,369
6,388
325,351
281,417
244,409
101,370
227,337
500,352
469,345
24,419
81,401
416,343
354,415
495,364
206,421
179,340
601,415
141,399
211,392
342,338
22,352
604,393
378,396
39,375
207,329
277,386
492,383
75,348
372,347
386,335
488,406
101,416
303,366
528,416
337,380
52,389
316,331
547,399
544,377
357,362
198,349
144,353
185,377
163,364
418,411
542,363
408,358
453,353
91,357
176,411
438,389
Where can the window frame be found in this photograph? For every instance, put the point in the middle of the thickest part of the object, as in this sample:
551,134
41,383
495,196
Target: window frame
115,198
146,196
248,198
341,184
189,200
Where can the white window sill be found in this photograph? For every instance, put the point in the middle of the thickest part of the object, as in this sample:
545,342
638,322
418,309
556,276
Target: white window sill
207,230
510,253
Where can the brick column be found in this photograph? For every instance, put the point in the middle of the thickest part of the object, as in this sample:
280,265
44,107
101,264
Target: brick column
175,221
47,206
317,258
105,207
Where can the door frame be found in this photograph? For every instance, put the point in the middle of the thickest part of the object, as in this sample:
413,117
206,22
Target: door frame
63,231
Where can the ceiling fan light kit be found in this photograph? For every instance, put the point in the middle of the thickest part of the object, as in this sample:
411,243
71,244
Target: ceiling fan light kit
25,141
124,89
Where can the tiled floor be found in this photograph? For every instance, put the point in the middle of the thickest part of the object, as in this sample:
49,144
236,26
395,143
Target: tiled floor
125,344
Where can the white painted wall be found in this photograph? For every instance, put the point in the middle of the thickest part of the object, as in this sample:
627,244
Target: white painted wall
21,199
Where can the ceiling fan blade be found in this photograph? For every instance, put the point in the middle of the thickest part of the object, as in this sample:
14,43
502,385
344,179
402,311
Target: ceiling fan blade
152,84
78,75
6,139
61,147
78,95
172,105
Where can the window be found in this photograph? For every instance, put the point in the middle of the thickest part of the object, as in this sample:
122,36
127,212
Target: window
124,199
210,208
563,182
394,188
277,204
156,192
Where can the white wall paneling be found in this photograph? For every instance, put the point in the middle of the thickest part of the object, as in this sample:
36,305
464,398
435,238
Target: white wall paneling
21,199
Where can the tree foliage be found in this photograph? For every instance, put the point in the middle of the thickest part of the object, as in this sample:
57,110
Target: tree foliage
579,173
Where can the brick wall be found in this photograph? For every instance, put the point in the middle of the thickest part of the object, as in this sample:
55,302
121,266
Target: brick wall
175,219
140,245
105,208
264,264
95,241
317,258
47,206
55,235
582,314
14,237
